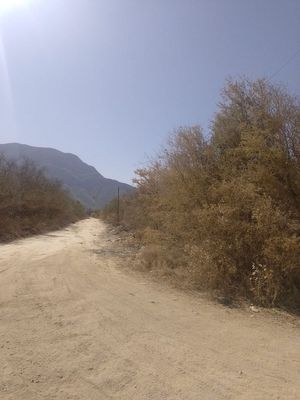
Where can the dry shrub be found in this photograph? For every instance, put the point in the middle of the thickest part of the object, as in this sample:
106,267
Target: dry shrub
30,203
227,208
152,257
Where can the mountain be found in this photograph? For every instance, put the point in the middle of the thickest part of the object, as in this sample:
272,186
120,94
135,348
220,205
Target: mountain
82,181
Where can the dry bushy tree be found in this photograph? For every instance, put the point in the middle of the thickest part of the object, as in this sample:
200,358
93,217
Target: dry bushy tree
228,207
30,203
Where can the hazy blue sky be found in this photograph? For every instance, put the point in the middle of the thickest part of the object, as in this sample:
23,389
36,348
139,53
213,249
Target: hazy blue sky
109,80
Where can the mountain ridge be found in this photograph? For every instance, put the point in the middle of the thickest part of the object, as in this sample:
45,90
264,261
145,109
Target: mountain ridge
82,180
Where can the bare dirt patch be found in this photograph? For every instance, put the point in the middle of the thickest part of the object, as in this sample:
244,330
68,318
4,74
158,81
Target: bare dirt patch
75,324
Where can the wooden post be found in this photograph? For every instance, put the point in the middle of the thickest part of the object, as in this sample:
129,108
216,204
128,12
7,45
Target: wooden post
118,207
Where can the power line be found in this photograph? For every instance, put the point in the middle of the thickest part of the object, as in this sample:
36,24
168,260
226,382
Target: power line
285,64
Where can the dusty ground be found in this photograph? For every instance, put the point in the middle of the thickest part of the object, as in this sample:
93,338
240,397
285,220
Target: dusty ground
75,325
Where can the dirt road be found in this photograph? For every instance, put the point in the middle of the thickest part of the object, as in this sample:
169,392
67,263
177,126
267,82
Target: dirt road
75,325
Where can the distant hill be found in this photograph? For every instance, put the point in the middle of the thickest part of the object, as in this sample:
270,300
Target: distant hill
82,181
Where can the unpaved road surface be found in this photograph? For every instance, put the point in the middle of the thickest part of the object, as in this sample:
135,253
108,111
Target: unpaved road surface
75,325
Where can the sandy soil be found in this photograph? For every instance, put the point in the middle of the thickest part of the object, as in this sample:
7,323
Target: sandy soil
74,324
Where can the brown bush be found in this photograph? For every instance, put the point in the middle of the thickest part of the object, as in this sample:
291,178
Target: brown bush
30,203
230,204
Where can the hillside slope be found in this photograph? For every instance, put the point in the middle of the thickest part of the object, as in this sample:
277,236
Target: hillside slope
83,181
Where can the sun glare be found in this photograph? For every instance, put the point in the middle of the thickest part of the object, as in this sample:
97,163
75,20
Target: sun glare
10,5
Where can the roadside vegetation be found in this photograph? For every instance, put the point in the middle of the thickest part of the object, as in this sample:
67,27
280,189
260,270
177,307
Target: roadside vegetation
30,203
224,211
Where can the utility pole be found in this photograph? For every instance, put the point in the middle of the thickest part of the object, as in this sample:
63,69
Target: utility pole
118,207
